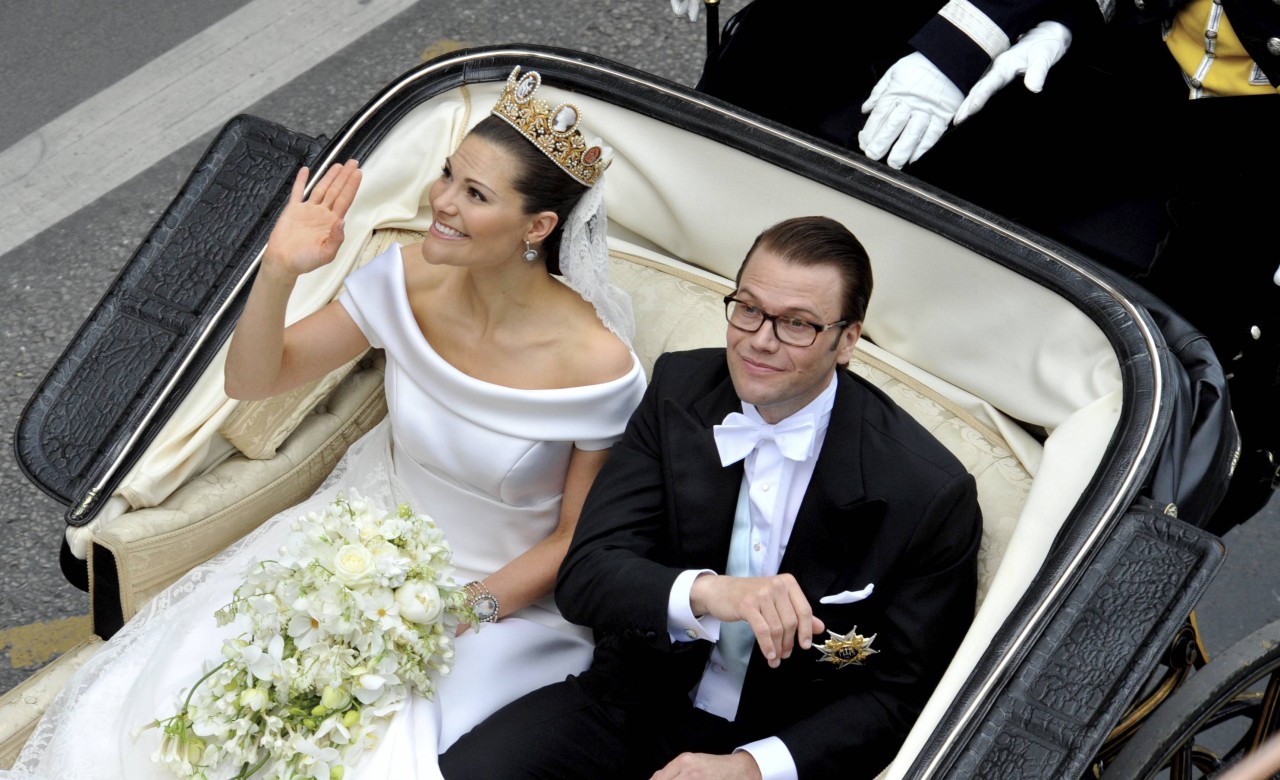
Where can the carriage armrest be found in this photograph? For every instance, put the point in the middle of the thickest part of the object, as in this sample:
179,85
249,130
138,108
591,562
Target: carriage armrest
141,552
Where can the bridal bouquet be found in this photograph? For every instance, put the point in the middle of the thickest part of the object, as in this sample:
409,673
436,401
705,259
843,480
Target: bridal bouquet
358,610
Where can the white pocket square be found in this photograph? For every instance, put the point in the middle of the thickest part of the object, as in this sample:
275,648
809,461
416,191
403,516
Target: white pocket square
849,596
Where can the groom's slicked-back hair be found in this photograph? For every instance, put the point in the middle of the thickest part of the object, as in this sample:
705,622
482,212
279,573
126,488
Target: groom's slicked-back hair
822,241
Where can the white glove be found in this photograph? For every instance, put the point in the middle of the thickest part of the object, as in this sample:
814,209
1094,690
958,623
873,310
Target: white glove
1033,54
689,8
912,104
1276,278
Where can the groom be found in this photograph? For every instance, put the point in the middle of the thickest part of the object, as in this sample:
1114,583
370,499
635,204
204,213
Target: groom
777,561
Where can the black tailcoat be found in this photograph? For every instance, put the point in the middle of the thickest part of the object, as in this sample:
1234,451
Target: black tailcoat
887,505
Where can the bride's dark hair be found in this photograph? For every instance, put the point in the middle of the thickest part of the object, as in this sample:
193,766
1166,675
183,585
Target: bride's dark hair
541,183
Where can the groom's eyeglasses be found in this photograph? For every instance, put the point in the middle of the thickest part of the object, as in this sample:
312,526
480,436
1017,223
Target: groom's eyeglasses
789,330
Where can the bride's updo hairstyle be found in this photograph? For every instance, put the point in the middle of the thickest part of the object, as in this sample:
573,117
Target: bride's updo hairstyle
557,164
540,182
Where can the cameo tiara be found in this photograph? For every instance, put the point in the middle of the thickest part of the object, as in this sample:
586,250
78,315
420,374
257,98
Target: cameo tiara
554,131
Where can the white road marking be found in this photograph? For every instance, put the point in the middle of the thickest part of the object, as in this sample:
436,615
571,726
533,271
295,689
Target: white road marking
169,102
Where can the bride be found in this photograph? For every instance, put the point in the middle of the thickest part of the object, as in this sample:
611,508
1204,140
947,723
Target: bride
505,388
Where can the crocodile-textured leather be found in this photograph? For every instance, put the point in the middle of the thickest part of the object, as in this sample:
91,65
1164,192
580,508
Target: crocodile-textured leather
1096,652
168,296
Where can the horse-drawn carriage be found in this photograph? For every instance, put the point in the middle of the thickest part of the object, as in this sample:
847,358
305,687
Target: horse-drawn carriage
1097,446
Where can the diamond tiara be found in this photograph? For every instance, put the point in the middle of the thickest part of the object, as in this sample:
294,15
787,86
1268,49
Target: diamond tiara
554,131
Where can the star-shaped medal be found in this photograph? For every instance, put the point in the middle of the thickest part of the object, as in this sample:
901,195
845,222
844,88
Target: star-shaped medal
846,649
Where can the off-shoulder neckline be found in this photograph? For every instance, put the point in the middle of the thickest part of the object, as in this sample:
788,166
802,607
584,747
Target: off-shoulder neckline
403,301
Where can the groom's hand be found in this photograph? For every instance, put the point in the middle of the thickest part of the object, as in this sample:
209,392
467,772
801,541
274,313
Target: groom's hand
701,766
774,607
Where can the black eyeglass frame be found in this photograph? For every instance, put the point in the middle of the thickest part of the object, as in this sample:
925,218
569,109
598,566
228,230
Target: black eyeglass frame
818,328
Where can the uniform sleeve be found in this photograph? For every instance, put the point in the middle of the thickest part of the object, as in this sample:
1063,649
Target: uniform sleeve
966,35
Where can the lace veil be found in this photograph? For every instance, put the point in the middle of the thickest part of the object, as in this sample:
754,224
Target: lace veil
584,263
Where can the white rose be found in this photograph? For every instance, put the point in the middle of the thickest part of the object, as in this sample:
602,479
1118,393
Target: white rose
353,564
419,602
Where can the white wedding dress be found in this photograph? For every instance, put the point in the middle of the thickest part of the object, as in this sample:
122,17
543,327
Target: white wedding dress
487,462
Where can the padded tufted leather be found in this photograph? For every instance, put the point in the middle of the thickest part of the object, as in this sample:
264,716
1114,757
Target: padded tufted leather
156,314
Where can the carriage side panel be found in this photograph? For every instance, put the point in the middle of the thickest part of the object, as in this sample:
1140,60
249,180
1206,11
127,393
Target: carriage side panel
83,428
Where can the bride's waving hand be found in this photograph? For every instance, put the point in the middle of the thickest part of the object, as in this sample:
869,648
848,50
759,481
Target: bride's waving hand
265,358
309,231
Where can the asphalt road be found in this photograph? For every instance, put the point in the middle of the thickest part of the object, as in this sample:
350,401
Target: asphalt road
50,280
56,53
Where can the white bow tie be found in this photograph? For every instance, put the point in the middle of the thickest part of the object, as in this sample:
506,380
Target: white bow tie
738,435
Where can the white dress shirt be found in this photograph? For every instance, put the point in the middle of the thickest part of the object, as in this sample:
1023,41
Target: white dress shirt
775,486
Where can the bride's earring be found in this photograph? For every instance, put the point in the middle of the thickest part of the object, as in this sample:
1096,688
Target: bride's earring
530,254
